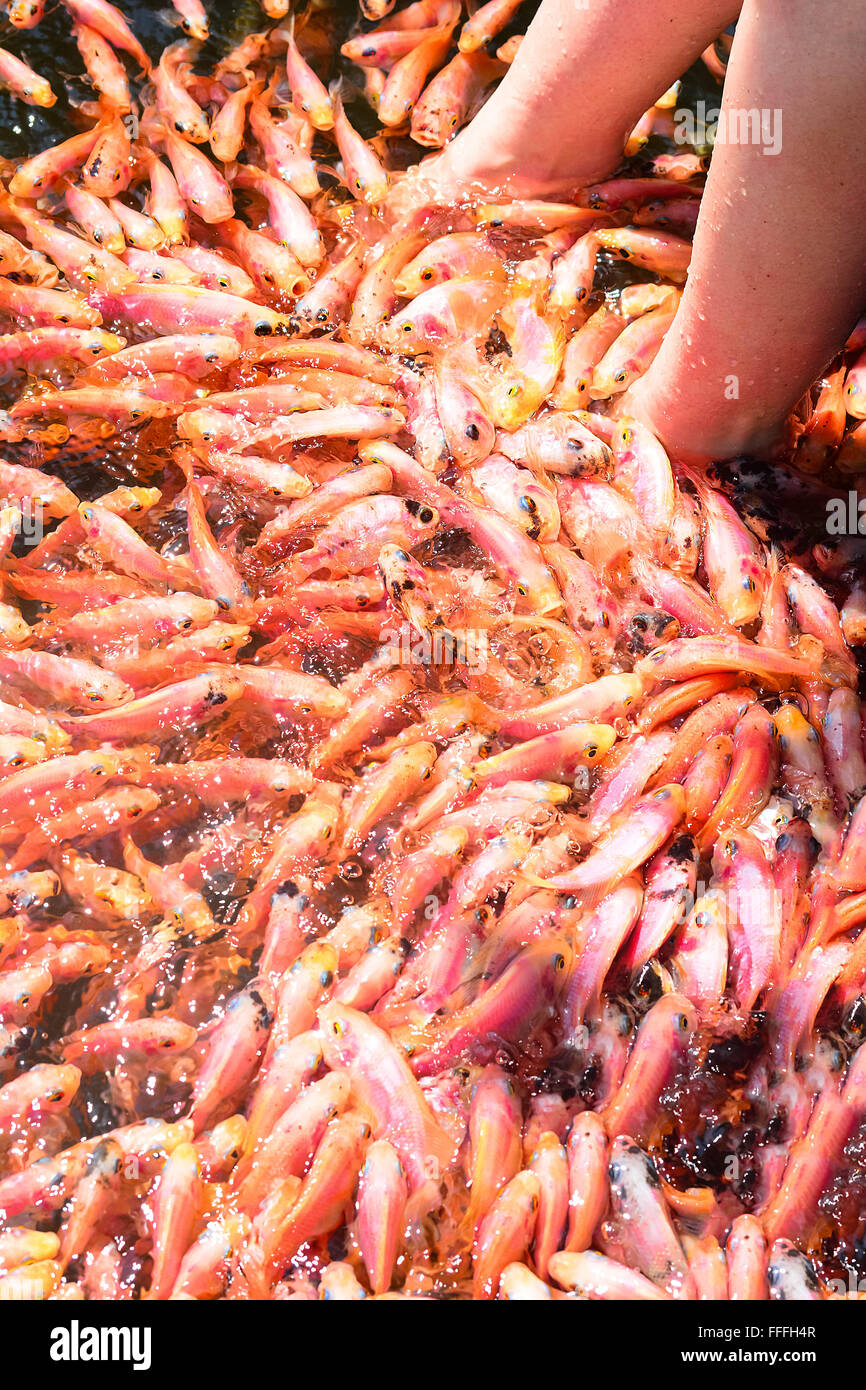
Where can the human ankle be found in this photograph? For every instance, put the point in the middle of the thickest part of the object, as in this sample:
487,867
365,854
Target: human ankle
699,436
521,169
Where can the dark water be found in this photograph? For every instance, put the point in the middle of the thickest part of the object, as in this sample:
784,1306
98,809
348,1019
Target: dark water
50,49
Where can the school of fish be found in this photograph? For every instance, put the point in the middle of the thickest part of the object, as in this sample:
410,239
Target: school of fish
434,845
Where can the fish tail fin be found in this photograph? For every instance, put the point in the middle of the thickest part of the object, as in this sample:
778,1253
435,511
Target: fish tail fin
527,877
683,470
556,324
185,460
269,90
439,1153
294,22
468,1224
336,90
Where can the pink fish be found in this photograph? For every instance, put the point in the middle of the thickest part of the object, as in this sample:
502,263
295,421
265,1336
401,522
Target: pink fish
386,1085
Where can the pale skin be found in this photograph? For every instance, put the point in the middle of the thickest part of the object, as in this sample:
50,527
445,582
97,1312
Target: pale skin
778,273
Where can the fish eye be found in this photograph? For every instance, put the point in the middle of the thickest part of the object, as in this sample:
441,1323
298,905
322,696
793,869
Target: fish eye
682,1023
426,274
165,1043
522,590
54,1095
591,750
94,696
559,962
453,122
337,1028
513,391
326,978
96,349
620,378
426,515
472,432
407,327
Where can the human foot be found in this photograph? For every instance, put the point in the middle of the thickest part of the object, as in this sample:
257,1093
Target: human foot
472,169
711,436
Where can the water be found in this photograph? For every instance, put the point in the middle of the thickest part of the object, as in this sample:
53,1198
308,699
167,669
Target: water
50,49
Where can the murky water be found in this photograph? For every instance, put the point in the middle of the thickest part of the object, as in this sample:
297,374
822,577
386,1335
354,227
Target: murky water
50,49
